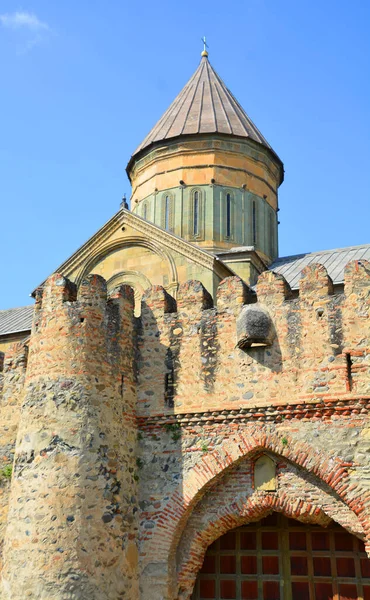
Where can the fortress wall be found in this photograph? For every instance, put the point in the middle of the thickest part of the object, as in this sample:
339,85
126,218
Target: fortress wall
299,390
207,387
316,350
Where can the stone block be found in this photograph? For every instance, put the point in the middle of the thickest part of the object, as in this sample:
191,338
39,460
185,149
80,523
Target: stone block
158,301
56,291
357,276
254,327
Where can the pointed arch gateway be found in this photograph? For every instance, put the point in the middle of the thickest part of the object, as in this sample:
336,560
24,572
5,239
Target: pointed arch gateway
192,520
236,502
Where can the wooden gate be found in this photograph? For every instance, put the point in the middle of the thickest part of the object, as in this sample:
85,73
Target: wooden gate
282,559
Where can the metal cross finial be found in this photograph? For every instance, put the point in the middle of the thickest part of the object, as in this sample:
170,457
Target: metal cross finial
205,45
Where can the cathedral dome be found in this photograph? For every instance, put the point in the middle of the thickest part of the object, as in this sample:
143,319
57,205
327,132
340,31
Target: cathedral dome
204,106
207,174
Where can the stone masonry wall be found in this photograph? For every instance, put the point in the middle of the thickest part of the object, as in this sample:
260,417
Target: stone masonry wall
204,405
11,390
206,391
71,522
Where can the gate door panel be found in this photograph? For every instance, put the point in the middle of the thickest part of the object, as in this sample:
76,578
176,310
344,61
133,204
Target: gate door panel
282,559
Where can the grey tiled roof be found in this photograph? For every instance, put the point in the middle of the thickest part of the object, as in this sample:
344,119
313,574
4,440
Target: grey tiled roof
204,105
16,320
334,261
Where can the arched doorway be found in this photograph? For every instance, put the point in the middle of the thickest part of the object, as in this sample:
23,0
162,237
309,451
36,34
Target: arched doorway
282,559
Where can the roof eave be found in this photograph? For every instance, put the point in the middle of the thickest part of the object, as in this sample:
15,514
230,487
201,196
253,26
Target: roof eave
138,155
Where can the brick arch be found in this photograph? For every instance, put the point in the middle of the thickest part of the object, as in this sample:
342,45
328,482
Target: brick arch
253,509
208,470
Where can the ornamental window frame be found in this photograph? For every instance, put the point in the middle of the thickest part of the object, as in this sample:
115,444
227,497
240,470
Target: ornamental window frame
228,215
196,221
167,211
196,200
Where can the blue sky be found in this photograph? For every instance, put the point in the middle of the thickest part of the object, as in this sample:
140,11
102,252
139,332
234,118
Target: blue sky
83,82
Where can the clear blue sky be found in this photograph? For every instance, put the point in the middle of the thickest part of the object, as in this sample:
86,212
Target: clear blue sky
82,82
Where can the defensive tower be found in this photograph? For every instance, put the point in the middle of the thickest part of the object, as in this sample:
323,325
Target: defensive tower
71,518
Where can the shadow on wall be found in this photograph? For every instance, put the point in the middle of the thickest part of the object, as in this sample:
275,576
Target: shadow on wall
180,364
190,356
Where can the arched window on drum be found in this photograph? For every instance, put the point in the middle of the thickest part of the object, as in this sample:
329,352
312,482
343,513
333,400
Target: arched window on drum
196,201
228,215
254,222
167,212
196,214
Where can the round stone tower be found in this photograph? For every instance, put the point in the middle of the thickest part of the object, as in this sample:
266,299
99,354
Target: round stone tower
206,173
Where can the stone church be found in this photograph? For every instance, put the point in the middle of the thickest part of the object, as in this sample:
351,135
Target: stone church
184,413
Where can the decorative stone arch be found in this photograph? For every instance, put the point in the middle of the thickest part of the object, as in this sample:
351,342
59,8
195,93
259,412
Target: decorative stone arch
138,281
212,466
127,243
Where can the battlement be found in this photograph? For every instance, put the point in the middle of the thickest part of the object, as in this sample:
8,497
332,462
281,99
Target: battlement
73,329
60,294
258,347
263,348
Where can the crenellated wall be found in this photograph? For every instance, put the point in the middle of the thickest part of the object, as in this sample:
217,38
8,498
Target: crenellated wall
318,352
143,433
298,387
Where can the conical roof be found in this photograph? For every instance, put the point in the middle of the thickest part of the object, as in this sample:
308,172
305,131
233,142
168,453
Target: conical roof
204,105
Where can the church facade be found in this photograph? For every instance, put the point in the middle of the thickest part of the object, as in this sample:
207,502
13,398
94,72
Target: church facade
184,413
